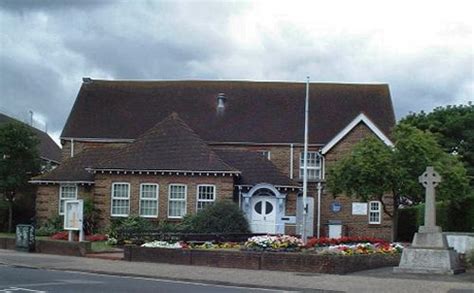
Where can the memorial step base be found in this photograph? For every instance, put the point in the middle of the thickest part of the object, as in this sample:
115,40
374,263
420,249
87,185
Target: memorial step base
429,261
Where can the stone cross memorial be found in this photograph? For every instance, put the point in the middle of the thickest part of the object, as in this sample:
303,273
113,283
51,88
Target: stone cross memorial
430,179
429,252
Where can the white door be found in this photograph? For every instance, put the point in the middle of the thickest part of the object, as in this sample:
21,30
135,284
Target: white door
263,214
309,216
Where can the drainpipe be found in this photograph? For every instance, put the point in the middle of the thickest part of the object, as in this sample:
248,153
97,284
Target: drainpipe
319,210
72,147
240,197
291,161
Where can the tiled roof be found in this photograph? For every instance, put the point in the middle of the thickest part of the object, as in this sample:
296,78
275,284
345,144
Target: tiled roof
48,149
258,112
74,169
255,168
169,145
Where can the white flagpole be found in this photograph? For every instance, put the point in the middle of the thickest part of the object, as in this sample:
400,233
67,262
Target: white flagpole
305,164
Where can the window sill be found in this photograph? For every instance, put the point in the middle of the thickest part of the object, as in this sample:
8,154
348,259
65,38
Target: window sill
175,218
149,217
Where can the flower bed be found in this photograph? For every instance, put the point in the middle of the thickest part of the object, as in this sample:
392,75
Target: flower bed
324,242
274,243
283,252
363,248
285,243
165,244
262,260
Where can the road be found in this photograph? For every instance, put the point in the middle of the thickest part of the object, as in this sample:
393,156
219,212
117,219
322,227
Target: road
141,276
19,280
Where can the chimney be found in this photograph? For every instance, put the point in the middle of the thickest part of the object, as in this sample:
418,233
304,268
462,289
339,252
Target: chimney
86,79
221,98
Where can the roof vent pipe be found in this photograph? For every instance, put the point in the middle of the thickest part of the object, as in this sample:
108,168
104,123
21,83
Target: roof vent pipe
221,98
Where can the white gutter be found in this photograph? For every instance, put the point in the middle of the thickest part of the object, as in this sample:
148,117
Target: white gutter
125,140
216,143
59,182
91,139
185,172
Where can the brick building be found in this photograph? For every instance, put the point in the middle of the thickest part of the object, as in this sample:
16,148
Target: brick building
163,149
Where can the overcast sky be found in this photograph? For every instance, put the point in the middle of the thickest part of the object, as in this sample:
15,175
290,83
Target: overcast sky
423,49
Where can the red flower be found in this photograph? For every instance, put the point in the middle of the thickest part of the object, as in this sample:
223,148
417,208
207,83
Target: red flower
60,236
96,237
323,241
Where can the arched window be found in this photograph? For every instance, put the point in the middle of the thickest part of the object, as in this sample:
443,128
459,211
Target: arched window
264,192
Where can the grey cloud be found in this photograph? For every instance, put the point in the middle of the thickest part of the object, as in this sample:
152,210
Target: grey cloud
165,40
45,5
28,86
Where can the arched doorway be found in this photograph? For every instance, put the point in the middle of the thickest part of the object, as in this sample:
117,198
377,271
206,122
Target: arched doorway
263,217
264,207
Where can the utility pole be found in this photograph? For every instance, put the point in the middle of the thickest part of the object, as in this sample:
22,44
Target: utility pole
305,164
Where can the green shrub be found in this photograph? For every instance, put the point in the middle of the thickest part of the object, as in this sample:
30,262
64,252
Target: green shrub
167,227
221,217
52,226
454,216
3,215
91,217
441,215
134,223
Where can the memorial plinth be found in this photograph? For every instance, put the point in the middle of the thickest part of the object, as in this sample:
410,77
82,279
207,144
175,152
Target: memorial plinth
429,253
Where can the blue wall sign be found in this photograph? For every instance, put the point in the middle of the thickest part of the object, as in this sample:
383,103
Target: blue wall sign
335,207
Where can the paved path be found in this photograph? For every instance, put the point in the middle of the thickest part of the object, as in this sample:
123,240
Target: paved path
368,281
107,255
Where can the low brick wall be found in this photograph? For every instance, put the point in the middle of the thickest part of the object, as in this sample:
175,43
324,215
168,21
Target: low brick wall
274,261
59,247
225,259
62,247
7,243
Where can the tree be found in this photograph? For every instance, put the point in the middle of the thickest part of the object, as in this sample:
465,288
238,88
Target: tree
416,149
453,126
19,161
366,173
373,169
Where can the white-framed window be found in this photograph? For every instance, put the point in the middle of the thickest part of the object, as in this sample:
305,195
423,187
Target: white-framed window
177,194
266,154
206,196
120,203
66,192
314,165
149,193
375,212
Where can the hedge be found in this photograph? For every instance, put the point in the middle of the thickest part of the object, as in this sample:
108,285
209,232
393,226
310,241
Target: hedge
451,217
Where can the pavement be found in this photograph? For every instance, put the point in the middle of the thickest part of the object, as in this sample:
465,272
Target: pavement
380,280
